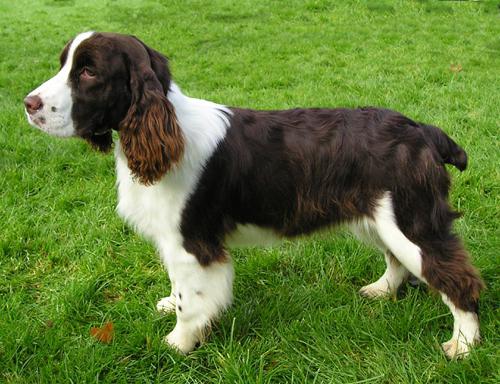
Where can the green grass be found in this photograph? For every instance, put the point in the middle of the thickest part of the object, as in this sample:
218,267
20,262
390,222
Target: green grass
67,263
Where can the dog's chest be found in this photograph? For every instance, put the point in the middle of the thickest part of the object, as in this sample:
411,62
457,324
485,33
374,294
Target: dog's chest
153,211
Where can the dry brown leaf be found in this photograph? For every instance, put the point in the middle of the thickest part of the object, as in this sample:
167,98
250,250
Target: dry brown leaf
103,334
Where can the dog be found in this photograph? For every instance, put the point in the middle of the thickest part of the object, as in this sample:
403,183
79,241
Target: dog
196,177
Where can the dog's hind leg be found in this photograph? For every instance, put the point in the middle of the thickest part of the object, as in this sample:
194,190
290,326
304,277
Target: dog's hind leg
447,268
389,282
443,264
395,273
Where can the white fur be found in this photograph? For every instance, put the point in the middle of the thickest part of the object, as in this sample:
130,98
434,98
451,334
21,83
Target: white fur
252,235
155,211
54,117
465,331
384,222
201,293
389,282
383,231
366,230
166,304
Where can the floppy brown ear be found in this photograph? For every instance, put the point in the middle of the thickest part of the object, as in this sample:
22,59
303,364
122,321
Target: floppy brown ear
149,134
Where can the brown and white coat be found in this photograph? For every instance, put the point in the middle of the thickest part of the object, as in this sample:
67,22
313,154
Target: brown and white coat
194,177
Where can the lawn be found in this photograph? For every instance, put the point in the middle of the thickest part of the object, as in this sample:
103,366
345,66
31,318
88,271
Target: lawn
68,263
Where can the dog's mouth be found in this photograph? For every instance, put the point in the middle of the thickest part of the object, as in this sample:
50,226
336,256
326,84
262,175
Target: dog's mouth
35,120
39,121
52,125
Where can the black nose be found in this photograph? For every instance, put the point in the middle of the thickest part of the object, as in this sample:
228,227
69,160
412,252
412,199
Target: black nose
33,104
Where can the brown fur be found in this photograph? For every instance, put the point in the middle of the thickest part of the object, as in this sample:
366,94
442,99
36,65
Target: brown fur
447,268
150,134
151,138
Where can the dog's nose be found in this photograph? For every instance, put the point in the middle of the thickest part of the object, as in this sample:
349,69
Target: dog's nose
33,104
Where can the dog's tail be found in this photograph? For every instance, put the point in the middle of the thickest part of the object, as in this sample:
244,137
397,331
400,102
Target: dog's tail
450,152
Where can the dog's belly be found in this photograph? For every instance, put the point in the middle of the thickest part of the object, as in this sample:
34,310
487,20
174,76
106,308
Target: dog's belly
252,235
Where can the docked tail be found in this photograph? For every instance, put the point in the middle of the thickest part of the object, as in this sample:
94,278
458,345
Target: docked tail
450,152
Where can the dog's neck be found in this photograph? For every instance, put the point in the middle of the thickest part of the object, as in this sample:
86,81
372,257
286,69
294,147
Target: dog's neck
203,124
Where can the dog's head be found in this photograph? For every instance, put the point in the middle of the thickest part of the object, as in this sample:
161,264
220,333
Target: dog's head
112,82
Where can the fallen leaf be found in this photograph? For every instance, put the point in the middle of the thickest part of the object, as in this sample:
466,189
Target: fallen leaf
103,334
455,68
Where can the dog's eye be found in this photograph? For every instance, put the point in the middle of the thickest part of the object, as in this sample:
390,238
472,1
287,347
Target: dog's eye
87,73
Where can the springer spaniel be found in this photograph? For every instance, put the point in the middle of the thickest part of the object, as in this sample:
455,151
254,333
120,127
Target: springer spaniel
196,177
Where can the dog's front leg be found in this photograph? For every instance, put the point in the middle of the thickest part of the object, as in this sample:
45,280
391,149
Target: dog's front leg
201,293
167,304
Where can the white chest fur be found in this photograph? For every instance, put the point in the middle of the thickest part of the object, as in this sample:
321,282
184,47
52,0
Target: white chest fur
153,211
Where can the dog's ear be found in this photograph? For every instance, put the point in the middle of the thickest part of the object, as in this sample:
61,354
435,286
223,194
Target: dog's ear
150,135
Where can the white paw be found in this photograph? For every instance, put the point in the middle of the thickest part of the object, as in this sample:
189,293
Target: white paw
457,348
376,289
166,305
182,341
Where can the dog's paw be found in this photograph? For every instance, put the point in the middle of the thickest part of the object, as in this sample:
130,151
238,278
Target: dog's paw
458,348
453,349
166,305
465,335
375,290
182,341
